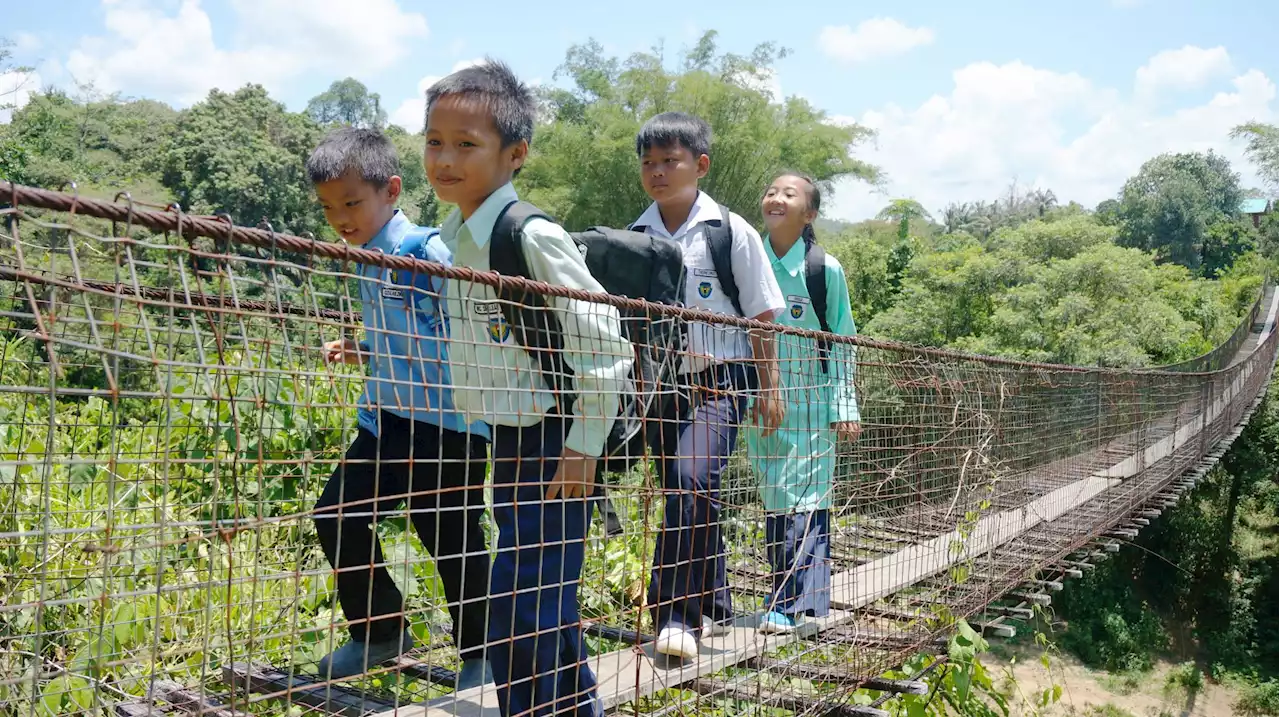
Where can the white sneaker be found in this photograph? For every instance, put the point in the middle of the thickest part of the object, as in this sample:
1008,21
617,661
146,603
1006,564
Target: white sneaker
676,642
711,628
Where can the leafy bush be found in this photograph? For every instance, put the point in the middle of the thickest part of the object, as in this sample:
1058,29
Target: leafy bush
1259,699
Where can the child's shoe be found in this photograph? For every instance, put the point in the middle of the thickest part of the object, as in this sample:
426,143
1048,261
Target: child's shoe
775,623
675,641
355,658
474,672
711,628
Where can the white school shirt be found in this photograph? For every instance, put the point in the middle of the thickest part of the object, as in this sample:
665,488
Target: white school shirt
494,378
758,290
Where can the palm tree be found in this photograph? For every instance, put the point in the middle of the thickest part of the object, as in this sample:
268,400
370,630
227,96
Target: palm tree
904,211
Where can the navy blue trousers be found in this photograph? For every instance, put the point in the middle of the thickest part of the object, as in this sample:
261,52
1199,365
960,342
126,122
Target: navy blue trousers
536,644
442,473
799,548
692,451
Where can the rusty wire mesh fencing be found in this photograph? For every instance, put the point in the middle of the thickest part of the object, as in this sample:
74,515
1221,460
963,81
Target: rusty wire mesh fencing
176,449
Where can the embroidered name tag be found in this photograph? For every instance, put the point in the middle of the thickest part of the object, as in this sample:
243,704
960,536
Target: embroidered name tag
796,299
392,293
704,272
488,308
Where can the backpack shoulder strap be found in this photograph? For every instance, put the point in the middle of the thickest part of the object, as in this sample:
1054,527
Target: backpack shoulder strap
720,246
506,242
534,328
815,281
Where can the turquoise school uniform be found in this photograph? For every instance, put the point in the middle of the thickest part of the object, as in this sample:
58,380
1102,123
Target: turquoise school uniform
796,464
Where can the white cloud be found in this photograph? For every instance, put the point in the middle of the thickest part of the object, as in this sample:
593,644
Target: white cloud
1187,68
411,114
173,55
15,89
1054,130
25,43
872,39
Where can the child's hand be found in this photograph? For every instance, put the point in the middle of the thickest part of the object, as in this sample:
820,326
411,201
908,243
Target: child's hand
768,411
575,477
848,431
343,351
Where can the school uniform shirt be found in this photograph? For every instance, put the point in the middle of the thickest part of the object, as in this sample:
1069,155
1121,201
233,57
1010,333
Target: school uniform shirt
406,331
758,290
495,378
796,464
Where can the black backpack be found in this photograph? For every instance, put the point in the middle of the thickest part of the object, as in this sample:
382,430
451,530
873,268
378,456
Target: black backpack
719,236
626,263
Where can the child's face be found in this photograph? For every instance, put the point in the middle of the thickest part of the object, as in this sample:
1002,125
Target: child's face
357,210
464,158
671,173
786,206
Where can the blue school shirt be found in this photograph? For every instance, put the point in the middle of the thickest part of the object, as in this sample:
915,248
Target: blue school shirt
406,333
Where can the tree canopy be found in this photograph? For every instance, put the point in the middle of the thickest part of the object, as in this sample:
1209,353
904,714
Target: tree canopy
1171,204
347,102
584,169
1262,148
243,153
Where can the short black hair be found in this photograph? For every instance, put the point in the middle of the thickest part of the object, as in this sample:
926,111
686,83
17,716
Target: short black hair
509,101
670,128
348,149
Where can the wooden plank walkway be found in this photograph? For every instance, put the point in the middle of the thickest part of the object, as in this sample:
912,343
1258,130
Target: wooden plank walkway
628,674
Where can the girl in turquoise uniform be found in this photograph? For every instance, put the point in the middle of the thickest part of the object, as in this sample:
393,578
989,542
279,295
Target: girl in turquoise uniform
796,463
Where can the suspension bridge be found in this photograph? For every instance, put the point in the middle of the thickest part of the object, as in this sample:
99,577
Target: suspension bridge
167,420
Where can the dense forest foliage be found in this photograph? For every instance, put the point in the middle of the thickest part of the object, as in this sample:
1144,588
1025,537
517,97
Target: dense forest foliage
1160,273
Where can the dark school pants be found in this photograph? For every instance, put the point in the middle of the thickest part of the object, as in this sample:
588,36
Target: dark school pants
536,644
442,472
692,450
799,550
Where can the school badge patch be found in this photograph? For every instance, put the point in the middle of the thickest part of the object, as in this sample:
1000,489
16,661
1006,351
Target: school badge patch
797,310
499,331
704,289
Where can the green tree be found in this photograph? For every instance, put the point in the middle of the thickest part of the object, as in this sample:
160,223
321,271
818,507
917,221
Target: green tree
1170,204
418,200
1108,211
904,211
243,153
583,168
13,155
347,102
1262,147
93,140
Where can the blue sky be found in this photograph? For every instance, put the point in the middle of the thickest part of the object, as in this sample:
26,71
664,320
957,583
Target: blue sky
966,97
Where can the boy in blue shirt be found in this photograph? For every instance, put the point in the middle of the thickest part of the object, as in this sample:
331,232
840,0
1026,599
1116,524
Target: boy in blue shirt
689,594
411,442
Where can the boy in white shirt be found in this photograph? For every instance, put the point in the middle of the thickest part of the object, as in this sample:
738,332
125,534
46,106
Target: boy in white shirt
728,273
479,124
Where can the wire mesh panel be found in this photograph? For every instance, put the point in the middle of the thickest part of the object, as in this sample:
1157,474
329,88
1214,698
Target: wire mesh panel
225,460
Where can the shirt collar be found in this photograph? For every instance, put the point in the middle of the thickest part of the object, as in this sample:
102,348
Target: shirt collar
704,210
386,239
480,225
793,261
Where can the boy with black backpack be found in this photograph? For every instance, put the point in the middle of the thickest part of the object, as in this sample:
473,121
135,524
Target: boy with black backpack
728,272
552,376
